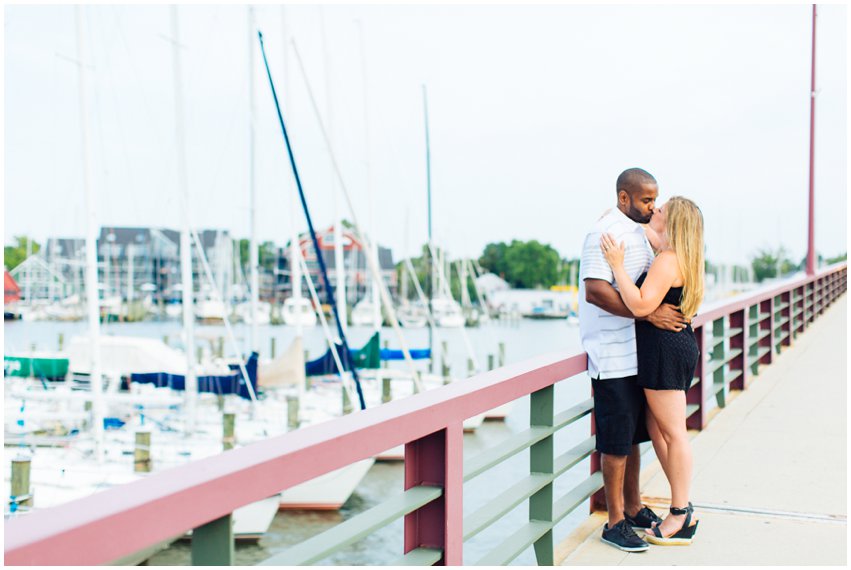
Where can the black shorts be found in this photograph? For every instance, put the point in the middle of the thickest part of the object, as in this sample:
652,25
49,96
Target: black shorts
619,405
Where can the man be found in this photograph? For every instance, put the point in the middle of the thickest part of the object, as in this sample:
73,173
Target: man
607,329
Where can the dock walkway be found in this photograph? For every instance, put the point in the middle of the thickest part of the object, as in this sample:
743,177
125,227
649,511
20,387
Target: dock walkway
770,469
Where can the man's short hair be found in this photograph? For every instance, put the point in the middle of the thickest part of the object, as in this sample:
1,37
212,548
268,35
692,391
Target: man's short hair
631,180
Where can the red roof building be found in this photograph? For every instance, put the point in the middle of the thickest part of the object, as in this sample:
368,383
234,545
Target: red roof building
11,290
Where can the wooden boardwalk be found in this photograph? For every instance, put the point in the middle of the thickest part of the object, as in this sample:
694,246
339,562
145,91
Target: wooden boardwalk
770,474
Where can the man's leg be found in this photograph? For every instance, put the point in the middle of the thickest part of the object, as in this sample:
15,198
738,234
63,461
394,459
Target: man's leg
631,492
614,467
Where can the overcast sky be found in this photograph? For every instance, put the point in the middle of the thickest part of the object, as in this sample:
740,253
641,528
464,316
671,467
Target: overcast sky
533,110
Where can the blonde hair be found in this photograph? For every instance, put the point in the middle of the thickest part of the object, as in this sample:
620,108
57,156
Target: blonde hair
684,230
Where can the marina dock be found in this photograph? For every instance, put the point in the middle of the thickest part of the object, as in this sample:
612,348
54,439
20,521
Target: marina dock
767,405
769,470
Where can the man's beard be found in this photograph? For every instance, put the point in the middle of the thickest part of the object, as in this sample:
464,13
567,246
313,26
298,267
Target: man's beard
636,216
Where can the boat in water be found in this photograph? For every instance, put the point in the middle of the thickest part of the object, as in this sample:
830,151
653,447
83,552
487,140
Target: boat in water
298,311
412,315
363,313
447,313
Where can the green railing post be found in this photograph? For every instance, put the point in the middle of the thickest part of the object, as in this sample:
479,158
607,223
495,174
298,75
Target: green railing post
739,342
786,317
808,304
719,356
801,303
699,392
793,316
753,333
541,456
212,543
766,307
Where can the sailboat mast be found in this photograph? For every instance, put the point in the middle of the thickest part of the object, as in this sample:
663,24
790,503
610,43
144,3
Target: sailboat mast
91,254
376,300
430,265
339,255
254,255
185,236
295,244
322,268
811,248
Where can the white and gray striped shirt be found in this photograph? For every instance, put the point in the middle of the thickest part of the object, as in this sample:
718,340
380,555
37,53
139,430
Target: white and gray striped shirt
609,339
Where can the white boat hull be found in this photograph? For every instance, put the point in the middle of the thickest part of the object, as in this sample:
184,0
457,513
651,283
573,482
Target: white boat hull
326,492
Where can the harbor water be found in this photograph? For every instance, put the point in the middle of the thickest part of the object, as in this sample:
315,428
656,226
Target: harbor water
522,339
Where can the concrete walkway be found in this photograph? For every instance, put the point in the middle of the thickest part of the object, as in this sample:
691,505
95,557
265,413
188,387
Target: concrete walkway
769,469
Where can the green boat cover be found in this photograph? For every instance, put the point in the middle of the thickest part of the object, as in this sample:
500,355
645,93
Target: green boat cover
367,357
27,366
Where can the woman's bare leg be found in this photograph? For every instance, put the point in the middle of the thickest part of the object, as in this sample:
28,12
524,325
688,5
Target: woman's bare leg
659,444
669,413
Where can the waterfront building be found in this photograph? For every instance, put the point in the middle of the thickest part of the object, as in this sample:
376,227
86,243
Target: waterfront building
357,274
136,263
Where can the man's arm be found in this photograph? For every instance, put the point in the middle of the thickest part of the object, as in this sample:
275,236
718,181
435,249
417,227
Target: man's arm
601,294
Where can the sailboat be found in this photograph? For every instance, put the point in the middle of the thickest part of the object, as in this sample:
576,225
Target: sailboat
363,313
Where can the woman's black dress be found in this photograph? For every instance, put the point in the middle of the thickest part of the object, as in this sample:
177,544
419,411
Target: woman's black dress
666,359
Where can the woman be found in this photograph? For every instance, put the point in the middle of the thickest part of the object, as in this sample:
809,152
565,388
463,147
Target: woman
667,360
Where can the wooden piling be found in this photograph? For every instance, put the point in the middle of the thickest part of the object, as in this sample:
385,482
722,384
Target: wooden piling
61,341
272,347
306,377
471,369
87,407
386,390
347,403
228,423
490,361
142,452
501,354
292,411
21,482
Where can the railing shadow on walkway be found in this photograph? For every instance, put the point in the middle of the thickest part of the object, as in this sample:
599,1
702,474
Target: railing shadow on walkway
736,337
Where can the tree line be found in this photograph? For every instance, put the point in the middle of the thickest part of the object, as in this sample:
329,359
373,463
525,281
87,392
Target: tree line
522,264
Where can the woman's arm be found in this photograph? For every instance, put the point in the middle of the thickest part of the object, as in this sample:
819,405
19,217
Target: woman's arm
654,238
659,278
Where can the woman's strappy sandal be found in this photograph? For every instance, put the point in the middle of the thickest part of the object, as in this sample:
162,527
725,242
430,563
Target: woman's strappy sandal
682,537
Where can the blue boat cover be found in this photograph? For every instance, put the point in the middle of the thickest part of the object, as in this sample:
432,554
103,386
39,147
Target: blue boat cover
232,383
325,364
416,354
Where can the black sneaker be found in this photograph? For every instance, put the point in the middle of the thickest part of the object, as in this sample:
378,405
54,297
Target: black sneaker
622,536
643,519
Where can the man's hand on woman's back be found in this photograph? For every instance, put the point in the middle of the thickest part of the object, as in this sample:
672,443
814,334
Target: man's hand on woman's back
668,317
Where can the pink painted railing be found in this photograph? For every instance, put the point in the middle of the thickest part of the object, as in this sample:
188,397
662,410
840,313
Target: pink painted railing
118,522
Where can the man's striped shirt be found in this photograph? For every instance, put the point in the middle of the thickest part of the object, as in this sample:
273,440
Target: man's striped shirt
609,339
